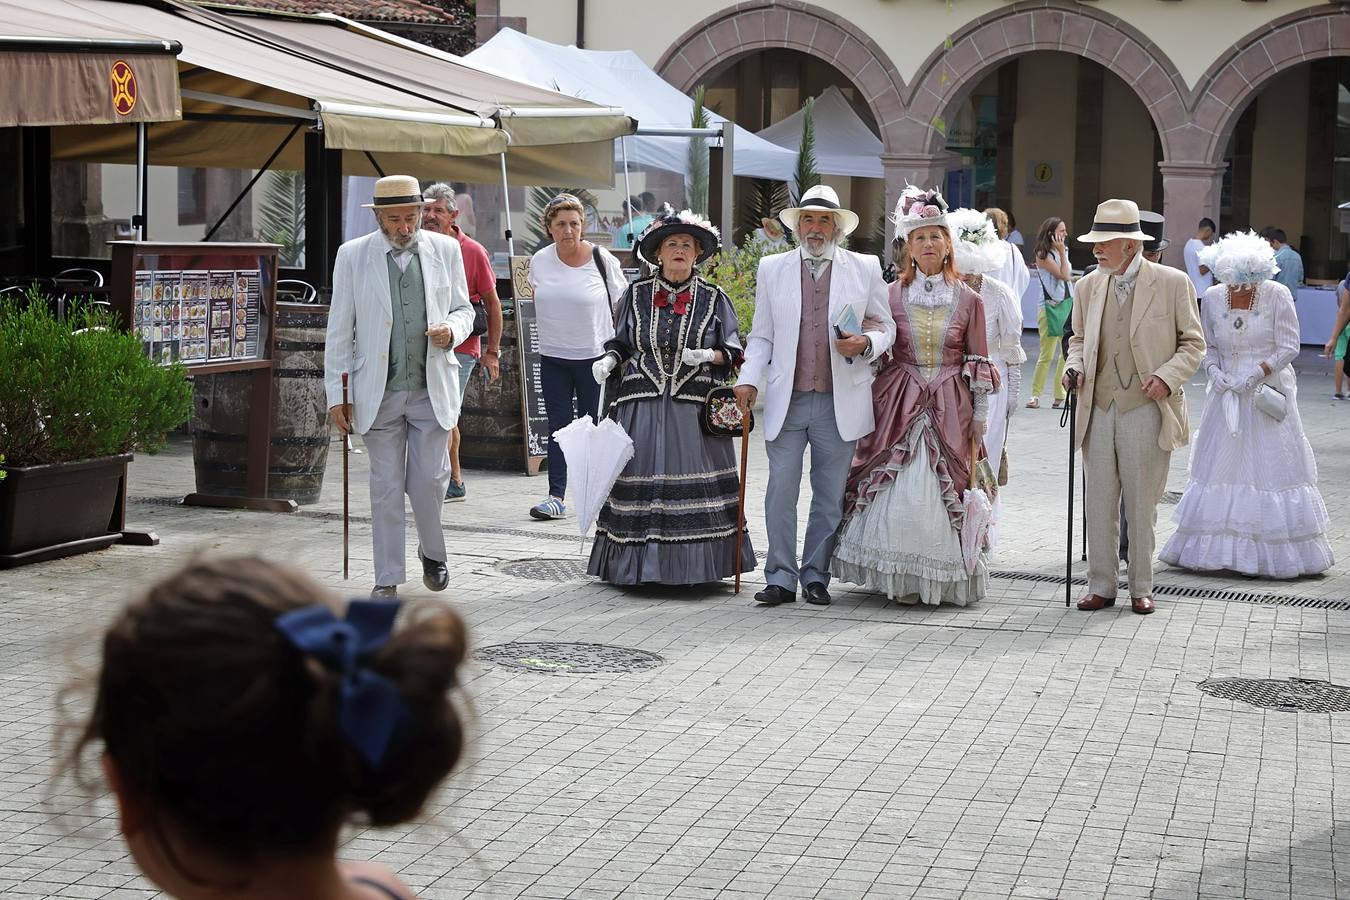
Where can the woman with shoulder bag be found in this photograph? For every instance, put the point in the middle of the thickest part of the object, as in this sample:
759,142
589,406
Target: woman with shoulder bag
671,517
1056,276
576,286
1251,504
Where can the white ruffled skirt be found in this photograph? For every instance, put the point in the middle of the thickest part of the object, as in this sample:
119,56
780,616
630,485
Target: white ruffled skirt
903,544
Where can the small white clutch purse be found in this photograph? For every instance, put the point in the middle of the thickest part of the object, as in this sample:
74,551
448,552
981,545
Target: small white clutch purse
1270,401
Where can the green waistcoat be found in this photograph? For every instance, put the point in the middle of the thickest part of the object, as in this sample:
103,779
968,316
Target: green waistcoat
408,336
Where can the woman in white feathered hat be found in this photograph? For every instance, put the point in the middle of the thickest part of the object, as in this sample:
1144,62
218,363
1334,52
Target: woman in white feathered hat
979,253
1251,504
903,513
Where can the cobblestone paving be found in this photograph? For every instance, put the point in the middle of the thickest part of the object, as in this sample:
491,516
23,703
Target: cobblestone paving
864,750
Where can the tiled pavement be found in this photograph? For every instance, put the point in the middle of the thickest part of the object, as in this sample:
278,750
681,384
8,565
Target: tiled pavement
861,750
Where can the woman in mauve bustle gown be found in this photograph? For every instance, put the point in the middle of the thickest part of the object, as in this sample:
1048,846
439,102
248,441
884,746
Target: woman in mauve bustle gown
903,512
1251,504
671,518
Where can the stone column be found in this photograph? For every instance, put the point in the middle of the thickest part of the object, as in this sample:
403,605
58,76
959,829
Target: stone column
899,170
1191,191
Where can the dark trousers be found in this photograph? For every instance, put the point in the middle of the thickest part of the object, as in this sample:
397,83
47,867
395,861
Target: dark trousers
570,392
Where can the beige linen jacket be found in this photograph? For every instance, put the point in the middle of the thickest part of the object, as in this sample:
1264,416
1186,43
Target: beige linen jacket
1165,337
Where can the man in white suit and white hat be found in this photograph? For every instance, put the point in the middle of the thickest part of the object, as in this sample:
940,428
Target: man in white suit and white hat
817,380
400,307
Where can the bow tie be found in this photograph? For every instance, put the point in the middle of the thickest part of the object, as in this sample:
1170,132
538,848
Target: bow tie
662,298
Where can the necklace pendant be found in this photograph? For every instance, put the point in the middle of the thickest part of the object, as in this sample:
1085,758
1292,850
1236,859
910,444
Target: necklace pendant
927,286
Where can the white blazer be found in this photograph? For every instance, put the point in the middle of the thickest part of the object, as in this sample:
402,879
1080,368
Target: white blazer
360,321
771,349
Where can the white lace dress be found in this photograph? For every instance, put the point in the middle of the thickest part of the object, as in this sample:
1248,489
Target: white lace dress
1003,328
1252,504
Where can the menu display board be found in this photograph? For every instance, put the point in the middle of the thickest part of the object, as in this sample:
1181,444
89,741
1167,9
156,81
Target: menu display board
196,316
527,342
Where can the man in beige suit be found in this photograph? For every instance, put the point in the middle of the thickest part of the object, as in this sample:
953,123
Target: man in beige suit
1136,342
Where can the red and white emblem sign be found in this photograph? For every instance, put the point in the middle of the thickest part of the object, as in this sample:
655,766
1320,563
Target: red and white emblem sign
124,90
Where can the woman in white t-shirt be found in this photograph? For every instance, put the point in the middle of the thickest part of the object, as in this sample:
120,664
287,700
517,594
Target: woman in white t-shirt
576,288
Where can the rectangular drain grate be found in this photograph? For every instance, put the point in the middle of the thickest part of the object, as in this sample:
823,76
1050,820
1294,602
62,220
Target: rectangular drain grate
1177,590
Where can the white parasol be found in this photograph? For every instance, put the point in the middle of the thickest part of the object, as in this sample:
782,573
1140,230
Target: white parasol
596,454
979,511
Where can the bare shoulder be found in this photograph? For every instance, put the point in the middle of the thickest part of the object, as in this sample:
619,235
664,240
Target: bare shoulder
375,874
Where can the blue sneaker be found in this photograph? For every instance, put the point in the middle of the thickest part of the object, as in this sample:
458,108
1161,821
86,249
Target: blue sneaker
552,508
455,491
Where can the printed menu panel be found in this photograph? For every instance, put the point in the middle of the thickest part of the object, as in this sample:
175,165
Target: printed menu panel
199,315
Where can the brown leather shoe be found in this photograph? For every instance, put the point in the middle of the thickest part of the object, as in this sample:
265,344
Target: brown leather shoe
1094,602
1142,605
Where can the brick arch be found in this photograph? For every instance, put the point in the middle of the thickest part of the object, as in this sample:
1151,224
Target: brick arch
753,25
1235,79
948,75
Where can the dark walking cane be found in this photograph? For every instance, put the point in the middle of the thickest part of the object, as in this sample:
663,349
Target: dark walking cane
1069,416
346,446
740,500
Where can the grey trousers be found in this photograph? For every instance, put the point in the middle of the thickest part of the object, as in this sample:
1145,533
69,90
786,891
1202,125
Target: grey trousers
1126,470
408,455
810,420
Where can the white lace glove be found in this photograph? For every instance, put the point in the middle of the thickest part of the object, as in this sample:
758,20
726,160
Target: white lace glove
601,368
691,357
1247,379
1220,380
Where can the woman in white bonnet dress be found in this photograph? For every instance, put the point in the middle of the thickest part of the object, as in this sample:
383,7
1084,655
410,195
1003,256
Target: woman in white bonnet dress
979,256
1252,504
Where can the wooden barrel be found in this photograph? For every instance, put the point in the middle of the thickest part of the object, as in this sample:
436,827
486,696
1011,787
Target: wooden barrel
300,425
491,434
299,429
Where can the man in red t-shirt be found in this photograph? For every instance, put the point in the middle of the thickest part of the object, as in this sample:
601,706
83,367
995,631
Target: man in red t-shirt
439,215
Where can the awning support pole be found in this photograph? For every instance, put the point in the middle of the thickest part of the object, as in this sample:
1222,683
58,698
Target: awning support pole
373,163
142,177
506,205
627,191
252,181
728,180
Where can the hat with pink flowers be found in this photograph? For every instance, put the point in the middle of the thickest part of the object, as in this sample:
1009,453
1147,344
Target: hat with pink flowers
918,208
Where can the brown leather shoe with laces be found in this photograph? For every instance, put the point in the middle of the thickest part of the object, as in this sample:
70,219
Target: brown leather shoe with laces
1094,602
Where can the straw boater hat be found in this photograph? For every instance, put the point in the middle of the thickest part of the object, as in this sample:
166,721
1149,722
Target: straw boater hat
1242,257
821,198
668,222
1115,219
918,208
975,242
1152,225
396,190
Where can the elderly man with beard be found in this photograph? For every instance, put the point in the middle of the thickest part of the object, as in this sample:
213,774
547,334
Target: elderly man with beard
400,307
819,379
1136,342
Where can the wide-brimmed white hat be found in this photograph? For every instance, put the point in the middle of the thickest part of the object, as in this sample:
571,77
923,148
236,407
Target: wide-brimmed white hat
1241,257
975,243
1115,219
396,190
821,198
919,208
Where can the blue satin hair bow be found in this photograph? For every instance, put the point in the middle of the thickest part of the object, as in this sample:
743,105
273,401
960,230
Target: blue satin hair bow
369,707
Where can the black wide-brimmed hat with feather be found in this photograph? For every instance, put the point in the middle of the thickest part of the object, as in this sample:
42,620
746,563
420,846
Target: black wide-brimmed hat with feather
668,222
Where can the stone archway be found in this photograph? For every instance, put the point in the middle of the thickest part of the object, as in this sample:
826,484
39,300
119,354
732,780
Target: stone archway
755,25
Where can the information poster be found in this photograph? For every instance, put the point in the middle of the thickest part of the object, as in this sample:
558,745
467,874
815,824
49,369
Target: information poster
198,316
527,339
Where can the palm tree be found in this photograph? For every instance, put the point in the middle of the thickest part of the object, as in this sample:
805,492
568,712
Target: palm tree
281,215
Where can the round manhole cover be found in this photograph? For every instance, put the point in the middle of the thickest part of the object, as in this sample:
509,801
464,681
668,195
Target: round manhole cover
544,569
1281,695
556,658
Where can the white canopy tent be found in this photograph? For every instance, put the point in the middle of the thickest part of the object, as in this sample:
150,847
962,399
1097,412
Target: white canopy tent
621,78
844,143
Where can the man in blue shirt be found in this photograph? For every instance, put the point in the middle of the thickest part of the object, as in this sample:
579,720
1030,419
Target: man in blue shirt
1286,257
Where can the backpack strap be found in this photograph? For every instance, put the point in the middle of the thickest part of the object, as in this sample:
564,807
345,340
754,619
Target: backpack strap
600,265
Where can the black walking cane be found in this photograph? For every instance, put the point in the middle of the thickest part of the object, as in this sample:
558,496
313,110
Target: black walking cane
346,511
1069,416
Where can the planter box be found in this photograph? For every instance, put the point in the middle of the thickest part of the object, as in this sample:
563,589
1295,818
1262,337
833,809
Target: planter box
60,509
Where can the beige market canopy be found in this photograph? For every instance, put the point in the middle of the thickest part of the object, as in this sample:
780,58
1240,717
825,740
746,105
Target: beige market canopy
251,82
58,68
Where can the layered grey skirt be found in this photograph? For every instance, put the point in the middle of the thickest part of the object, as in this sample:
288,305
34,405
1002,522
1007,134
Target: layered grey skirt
671,517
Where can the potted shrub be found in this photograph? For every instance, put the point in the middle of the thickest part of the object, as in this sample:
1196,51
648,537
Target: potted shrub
79,396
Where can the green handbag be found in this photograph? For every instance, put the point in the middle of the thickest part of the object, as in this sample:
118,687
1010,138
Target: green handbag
1056,311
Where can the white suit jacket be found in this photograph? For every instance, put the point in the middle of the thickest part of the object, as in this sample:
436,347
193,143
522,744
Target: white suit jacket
771,349
361,320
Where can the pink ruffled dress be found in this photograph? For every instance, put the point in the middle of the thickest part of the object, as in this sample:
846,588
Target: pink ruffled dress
901,533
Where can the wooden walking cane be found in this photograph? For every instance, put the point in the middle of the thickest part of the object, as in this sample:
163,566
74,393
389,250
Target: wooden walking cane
740,501
346,446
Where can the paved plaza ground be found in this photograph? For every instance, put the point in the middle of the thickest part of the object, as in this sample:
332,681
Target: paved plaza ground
1012,748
